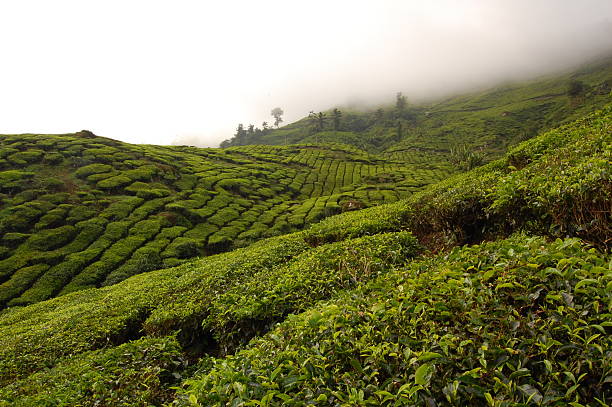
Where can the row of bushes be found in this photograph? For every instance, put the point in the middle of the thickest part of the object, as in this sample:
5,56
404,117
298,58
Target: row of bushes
514,322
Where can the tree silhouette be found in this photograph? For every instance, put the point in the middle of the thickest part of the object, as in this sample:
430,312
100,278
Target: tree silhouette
240,135
312,121
321,121
277,112
399,130
379,114
336,116
400,103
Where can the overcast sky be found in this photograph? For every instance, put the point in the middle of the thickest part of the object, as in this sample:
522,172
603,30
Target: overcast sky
182,71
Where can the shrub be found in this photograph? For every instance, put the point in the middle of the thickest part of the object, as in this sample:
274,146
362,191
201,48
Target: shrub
14,180
182,248
113,182
91,169
20,281
452,329
135,373
14,239
49,239
79,213
26,157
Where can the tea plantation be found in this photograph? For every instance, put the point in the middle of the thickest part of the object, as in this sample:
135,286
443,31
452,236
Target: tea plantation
80,211
492,287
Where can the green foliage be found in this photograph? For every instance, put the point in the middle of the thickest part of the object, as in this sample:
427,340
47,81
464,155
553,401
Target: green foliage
364,320
507,322
14,179
114,182
575,88
136,374
49,239
252,307
465,159
26,157
91,169
493,120
341,313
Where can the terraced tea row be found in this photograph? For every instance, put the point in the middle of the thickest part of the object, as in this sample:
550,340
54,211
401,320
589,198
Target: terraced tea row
81,211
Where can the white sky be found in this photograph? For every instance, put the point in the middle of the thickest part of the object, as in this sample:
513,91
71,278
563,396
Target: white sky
189,71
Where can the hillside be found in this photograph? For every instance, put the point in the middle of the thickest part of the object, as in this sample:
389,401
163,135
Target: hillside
80,211
382,306
491,120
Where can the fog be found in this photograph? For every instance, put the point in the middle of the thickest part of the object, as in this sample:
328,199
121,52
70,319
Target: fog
187,72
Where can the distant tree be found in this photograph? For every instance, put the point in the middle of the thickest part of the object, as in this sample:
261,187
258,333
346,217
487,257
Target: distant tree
250,134
264,126
277,112
225,143
399,130
575,88
321,121
379,114
312,121
240,136
336,116
400,102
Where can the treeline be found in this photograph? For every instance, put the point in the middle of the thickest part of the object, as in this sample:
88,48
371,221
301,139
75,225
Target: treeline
400,117
250,135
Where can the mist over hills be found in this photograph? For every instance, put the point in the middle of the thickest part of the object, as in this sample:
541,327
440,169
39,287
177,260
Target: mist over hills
490,119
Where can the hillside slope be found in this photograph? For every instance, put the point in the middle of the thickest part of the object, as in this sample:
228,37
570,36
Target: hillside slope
80,211
523,319
491,120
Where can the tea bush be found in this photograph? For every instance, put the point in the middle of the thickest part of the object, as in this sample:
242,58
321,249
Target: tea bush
509,322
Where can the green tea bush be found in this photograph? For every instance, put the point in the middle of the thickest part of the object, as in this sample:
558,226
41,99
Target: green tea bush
21,280
26,157
95,178
14,239
252,307
183,248
114,182
91,169
136,373
54,279
53,158
144,173
121,209
146,228
80,213
49,239
507,323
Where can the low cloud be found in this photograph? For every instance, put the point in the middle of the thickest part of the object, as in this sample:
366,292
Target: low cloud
189,72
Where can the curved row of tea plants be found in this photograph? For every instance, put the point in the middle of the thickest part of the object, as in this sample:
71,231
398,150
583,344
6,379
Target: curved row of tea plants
513,322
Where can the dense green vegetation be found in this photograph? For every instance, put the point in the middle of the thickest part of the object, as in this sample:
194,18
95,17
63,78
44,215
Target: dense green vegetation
80,211
439,254
512,322
382,306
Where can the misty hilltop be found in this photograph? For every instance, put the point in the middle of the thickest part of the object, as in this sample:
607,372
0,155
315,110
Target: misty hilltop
489,120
